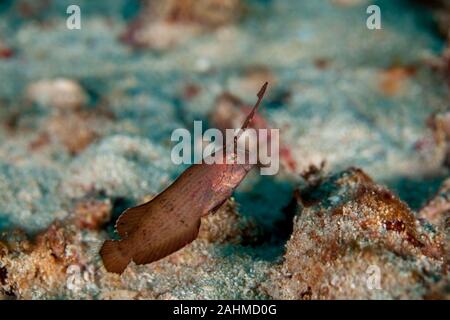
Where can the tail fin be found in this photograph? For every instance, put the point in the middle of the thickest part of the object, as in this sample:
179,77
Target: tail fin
114,258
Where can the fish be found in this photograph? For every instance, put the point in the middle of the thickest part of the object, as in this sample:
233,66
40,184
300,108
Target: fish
171,220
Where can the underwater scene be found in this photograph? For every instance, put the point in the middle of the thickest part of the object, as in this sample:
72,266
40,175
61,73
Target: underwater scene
108,110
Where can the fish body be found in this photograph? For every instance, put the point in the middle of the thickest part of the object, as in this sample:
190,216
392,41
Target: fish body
171,220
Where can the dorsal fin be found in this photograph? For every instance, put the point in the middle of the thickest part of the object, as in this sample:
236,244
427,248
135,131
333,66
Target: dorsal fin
129,220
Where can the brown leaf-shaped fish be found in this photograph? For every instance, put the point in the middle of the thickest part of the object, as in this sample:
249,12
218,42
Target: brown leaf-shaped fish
171,220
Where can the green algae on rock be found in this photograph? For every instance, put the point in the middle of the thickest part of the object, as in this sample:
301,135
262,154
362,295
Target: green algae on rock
62,262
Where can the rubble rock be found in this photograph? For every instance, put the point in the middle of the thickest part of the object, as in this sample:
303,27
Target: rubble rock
356,240
164,24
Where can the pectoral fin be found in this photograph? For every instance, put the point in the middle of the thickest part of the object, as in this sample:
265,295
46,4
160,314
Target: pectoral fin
217,207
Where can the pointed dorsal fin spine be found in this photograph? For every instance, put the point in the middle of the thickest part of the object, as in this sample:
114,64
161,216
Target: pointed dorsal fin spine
250,116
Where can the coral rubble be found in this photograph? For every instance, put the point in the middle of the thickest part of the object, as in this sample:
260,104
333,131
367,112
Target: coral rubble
353,239
62,262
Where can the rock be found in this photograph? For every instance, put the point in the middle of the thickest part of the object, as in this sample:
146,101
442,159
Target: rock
165,24
33,272
349,3
209,13
437,210
119,166
392,81
229,112
440,128
92,213
159,35
74,131
227,226
251,80
61,94
5,51
31,9
441,10
28,200
356,240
